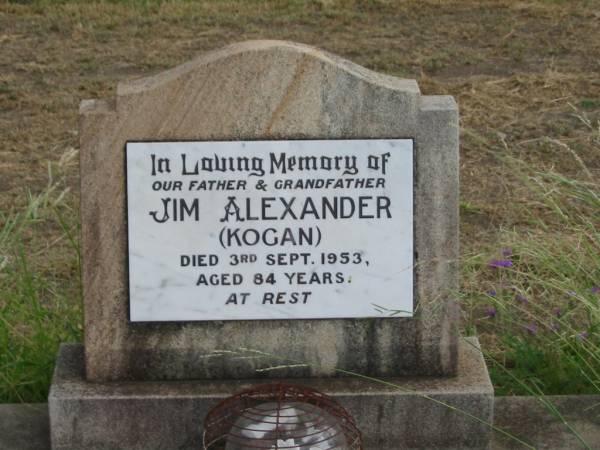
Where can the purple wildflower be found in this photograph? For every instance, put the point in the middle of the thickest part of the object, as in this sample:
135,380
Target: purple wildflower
595,290
531,328
498,263
583,335
492,293
521,299
557,312
507,252
491,312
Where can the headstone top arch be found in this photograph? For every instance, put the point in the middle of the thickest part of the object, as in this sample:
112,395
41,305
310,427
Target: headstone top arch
280,92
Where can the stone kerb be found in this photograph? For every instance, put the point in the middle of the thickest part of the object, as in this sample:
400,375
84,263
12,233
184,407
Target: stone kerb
263,90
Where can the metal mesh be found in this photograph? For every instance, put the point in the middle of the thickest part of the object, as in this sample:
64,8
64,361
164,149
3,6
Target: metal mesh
279,416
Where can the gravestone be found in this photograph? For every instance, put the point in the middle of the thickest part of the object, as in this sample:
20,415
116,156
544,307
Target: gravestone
269,204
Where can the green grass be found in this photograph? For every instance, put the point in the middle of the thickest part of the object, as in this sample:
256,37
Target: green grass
539,318
40,305
515,71
537,313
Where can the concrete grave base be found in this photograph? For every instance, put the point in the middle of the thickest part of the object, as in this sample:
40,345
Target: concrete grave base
168,415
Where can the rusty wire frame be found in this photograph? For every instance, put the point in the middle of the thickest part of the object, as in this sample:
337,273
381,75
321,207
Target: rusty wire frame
221,419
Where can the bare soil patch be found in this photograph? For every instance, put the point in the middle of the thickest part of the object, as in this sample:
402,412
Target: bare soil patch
515,67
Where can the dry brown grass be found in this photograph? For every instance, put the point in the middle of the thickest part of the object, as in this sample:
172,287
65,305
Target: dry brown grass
526,75
517,69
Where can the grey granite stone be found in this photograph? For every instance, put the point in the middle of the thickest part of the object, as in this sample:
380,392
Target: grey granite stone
268,90
165,415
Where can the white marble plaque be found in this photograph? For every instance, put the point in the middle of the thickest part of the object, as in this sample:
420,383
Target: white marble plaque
270,229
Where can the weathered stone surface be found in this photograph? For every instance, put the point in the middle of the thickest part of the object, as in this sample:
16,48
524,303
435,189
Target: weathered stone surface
25,426
268,90
533,423
168,415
